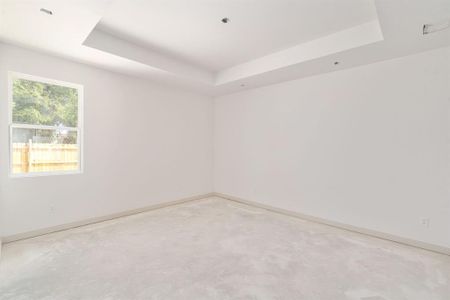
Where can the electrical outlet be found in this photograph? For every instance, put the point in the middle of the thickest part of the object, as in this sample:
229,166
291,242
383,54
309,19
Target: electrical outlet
425,222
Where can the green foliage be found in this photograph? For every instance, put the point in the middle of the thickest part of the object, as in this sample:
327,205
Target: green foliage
44,104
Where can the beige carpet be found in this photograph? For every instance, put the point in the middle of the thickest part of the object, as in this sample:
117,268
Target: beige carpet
218,249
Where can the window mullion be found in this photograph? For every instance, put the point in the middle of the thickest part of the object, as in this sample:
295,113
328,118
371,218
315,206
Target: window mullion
44,127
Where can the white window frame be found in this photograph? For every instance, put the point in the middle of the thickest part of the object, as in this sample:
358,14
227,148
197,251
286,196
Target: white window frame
78,129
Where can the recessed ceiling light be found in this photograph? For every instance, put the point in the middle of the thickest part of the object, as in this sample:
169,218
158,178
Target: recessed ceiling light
46,11
225,20
430,28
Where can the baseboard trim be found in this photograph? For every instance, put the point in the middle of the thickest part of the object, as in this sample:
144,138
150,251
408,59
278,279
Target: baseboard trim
47,230
373,233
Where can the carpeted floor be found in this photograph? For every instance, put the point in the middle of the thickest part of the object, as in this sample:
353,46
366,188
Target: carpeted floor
218,249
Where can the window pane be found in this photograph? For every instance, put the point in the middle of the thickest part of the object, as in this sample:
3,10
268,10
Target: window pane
39,103
42,150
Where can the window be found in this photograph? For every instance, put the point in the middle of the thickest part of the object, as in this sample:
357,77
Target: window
45,126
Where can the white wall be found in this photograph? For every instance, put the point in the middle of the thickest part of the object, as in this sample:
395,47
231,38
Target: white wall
366,146
143,144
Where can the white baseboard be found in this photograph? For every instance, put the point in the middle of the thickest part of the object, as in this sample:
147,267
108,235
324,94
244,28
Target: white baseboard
38,232
377,234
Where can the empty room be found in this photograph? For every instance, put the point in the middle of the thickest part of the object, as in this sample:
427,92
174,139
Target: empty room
225,149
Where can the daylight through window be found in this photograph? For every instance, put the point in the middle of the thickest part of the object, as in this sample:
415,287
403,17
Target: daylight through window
45,125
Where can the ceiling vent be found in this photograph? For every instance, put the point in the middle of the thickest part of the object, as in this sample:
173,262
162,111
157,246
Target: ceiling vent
430,28
46,11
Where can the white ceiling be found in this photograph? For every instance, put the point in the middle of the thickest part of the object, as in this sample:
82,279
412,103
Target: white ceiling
193,32
183,42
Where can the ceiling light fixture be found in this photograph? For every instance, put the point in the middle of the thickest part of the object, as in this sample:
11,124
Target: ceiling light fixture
46,11
336,63
225,20
430,28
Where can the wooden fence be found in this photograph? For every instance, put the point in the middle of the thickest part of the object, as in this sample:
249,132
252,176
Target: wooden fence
37,157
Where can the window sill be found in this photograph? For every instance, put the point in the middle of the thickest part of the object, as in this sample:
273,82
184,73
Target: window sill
44,174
